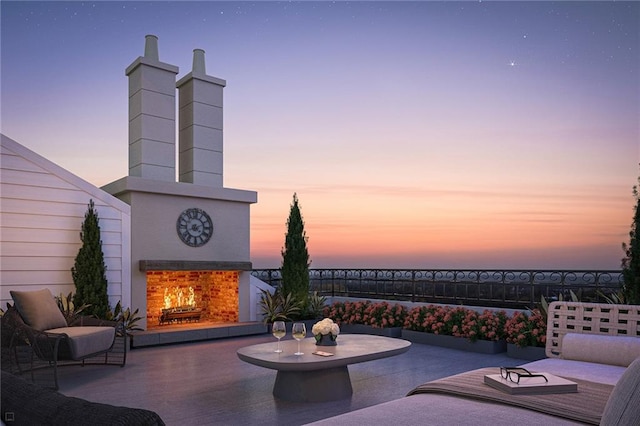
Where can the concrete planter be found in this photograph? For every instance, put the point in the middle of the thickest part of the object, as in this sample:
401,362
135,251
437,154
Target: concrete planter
529,353
459,343
367,329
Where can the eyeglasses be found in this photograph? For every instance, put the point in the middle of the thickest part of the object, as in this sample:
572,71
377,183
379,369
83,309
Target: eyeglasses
515,373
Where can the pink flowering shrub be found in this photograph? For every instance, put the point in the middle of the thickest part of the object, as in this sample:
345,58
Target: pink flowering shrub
486,326
457,321
380,314
384,315
445,320
347,312
435,319
526,330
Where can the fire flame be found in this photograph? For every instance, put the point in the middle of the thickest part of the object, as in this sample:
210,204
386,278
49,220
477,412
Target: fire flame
176,298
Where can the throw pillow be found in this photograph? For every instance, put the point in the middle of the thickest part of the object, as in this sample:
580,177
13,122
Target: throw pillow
38,309
620,350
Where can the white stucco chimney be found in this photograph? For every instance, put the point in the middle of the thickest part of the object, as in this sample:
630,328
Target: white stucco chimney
152,116
200,125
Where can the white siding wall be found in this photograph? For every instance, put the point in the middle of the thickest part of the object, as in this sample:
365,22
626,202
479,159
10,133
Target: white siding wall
42,207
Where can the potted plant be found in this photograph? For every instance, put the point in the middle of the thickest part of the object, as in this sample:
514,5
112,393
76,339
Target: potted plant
315,305
277,307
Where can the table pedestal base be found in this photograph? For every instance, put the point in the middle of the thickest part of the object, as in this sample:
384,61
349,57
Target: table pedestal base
313,386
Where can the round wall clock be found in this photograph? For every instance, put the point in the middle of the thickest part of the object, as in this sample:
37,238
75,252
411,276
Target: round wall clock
194,227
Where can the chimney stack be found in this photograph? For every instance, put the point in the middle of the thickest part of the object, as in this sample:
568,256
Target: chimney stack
199,66
200,125
151,47
152,116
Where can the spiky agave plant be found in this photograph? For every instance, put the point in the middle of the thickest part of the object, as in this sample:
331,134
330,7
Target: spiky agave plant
276,307
129,319
68,308
315,305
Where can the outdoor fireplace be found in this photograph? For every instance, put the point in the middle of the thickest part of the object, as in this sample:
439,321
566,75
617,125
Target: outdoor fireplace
178,273
180,297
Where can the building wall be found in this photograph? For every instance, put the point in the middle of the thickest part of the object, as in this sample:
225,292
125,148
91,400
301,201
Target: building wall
42,207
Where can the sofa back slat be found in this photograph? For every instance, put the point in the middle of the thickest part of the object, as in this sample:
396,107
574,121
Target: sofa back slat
589,318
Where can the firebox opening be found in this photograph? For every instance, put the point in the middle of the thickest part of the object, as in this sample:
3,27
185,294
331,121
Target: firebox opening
183,297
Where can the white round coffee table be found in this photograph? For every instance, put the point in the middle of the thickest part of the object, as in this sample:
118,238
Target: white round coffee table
314,378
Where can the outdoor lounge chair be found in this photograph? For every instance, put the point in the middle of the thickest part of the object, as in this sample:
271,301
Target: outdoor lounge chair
36,335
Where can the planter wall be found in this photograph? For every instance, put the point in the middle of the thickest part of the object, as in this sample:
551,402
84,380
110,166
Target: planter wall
367,329
529,353
459,343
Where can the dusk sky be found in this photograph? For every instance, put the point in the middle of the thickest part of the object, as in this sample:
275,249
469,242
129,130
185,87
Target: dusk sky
416,134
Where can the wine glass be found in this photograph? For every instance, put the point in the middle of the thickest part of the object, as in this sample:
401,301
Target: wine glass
279,331
299,332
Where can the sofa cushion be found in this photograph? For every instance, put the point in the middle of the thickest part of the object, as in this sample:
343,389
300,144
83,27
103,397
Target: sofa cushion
622,407
602,349
590,371
87,340
38,309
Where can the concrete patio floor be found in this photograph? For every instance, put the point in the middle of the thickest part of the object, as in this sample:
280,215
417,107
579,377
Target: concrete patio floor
205,383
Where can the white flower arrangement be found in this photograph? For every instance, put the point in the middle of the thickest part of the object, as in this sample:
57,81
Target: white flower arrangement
325,327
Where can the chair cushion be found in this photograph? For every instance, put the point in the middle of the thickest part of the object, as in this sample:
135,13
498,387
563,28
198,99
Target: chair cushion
622,407
87,340
600,348
38,309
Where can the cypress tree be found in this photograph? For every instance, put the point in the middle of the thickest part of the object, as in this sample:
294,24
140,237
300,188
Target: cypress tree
89,270
295,257
631,262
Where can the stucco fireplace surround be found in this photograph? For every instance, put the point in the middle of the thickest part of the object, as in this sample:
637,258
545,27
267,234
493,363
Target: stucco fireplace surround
189,238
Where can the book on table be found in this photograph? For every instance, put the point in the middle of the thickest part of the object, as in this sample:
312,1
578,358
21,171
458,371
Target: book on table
322,353
531,385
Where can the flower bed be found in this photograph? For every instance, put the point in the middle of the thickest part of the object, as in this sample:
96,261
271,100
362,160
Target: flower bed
458,322
376,315
491,326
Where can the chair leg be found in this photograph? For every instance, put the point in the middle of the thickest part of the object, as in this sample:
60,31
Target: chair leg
55,364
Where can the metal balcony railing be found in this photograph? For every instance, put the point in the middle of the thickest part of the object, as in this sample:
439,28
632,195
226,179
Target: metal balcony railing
516,288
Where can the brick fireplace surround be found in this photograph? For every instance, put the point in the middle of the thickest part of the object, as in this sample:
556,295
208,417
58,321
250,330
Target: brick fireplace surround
216,294
213,287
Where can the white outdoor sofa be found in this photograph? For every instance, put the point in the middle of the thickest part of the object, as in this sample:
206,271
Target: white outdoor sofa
595,345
